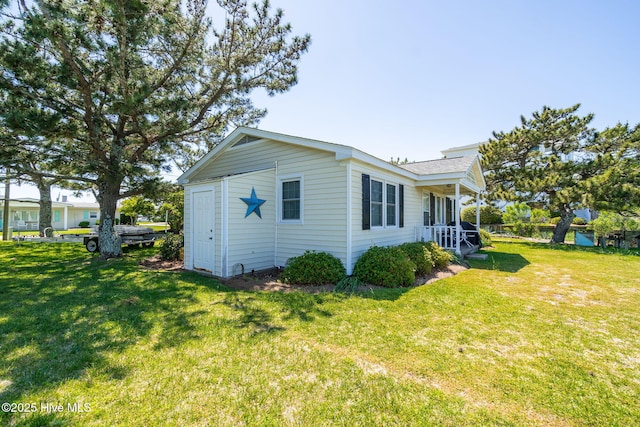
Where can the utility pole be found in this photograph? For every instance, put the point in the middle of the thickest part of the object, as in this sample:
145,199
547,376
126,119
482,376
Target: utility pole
5,214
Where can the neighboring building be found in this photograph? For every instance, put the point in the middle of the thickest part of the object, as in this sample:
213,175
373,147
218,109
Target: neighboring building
25,214
260,198
465,150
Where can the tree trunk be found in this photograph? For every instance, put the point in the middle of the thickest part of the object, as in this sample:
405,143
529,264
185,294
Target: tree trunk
561,229
45,208
109,241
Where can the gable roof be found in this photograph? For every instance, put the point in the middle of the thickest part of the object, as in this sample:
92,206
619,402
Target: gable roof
465,169
341,152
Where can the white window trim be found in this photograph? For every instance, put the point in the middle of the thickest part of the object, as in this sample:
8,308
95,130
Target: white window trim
384,225
288,178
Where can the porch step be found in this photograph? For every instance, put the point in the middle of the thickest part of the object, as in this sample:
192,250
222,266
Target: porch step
476,256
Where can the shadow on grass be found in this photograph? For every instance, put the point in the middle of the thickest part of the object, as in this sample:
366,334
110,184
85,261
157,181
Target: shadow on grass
62,310
501,261
261,312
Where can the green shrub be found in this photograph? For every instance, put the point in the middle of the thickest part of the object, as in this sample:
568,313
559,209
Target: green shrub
313,268
555,220
420,255
523,229
171,245
83,224
441,258
385,266
579,221
485,238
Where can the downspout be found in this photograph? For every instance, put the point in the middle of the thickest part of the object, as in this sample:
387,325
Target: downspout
457,212
275,249
224,219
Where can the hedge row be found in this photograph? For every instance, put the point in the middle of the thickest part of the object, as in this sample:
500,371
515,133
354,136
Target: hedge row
391,266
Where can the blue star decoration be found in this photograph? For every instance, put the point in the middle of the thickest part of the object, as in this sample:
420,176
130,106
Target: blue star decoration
253,203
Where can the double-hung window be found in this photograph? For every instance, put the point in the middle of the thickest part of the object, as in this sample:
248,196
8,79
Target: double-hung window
392,204
384,204
377,199
291,199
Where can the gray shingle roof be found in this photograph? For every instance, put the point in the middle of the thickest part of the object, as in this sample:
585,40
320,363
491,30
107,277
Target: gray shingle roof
448,165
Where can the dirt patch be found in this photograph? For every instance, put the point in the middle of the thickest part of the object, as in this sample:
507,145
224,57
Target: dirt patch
268,281
156,263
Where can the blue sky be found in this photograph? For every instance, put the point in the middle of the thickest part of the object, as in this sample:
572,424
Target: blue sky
409,78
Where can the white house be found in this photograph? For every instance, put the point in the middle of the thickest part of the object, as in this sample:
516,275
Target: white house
260,198
25,213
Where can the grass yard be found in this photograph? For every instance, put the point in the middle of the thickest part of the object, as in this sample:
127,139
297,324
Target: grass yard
532,336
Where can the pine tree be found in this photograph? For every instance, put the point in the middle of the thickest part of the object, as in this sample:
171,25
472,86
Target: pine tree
538,163
614,168
127,85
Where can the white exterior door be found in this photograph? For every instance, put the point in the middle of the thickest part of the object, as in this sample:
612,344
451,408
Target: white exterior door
203,226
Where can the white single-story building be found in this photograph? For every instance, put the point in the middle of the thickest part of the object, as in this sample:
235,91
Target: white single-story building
260,198
24,214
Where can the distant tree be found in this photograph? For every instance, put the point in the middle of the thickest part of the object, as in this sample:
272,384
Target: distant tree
608,222
117,89
17,154
172,208
488,214
612,177
398,161
540,216
517,212
137,206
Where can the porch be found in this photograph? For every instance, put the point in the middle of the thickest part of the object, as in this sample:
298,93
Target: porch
450,237
446,184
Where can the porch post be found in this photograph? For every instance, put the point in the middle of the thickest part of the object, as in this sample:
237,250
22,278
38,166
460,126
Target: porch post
457,213
478,212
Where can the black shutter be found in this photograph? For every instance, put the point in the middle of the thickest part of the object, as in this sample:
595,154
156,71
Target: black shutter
366,202
401,205
432,208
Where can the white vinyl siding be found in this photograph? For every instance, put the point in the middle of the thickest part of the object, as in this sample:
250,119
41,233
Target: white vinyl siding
323,212
250,241
383,236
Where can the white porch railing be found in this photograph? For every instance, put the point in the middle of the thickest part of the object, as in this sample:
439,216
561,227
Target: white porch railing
443,235
446,236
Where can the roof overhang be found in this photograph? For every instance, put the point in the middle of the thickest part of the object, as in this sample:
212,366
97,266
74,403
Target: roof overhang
342,152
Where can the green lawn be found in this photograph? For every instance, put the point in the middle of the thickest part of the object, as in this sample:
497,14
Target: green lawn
532,336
